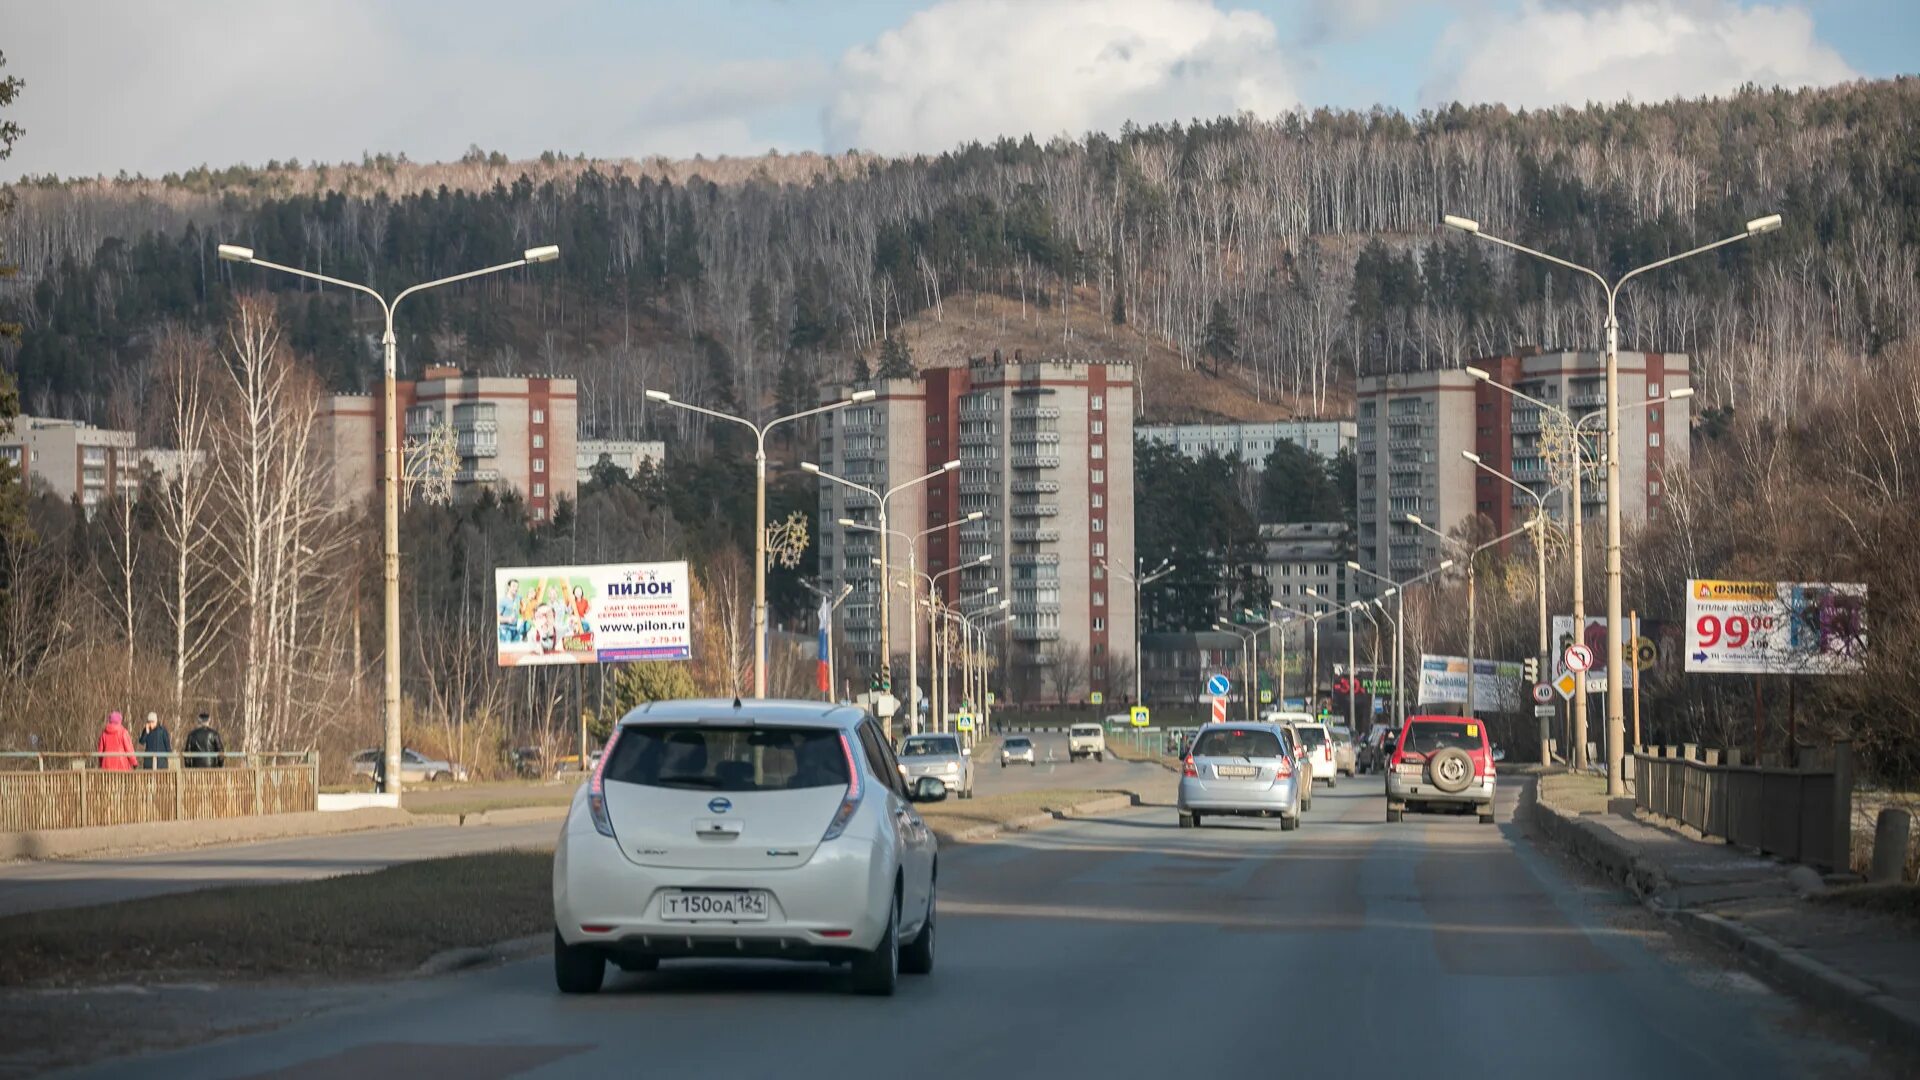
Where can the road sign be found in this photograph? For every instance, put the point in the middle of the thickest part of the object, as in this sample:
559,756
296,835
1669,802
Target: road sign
1545,711
1219,709
1645,654
963,721
1775,627
1542,694
1266,697
1577,658
1219,685
1566,684
1139,715
1096,698
989,697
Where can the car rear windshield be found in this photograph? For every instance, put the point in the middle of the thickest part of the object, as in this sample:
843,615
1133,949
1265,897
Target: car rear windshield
1342,735
702,758
1018,744
1238,743
1312,736
1088,729
926,747
1432,737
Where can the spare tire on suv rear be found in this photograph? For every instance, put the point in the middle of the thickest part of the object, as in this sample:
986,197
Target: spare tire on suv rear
1450,770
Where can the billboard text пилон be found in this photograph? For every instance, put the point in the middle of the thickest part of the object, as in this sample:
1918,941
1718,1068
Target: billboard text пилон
593,614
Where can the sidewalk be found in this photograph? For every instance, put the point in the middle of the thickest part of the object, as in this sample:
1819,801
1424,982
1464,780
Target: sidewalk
1863,965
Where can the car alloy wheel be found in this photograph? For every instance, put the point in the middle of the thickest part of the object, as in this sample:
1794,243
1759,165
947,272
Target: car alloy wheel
577,969
917,957
878,971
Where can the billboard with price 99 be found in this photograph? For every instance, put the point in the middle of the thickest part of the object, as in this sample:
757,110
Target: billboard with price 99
1775,628
592,614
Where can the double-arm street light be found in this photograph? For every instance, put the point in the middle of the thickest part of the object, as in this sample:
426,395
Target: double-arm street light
390,462
1249,657
913,651
1616,701
1539,526
1364,607
1400,625
1313,623
936,663
885,596
1577,753
1473,554
759,508
1139,579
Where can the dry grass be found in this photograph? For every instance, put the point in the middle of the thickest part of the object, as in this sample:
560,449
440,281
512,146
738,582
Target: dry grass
475,798
357,926
1579,793
1902,902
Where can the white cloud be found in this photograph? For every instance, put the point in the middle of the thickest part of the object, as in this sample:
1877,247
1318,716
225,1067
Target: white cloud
979,69
1609,50
1333,19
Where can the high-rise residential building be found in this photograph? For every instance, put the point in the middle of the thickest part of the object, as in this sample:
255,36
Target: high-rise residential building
1254,441
510,434
74,460
1046,454
1414,425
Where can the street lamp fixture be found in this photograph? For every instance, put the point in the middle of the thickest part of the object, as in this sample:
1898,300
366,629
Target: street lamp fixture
390,462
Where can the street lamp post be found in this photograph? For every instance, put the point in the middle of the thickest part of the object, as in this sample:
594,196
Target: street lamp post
1616,702
913,651
880,499
1539,525
1313,621
1473,554
759,508
1139,581
1400,625
390,463
938,674
1364,608
1249,658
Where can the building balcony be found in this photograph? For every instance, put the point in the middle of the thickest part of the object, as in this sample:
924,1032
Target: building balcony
856,427
1035,536
475,446
1405,444
1034,438
1532,472
1036,607
1525,421
1035,461
1033,558
977,438
1034,487
1034,412
1021,510
1036,633
1405,467
1593,400
476,476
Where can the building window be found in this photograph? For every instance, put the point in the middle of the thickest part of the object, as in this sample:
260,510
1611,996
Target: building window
1099,476
1653,438
1099,525
1099,573
1098,427
539,465
539,491
539,513
1653,390
539,416
1099,623
1099,550
539,442
1099,451
1653,487
1099,500
1098,403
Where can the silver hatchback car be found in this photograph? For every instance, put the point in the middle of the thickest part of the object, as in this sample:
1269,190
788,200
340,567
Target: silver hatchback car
1242,770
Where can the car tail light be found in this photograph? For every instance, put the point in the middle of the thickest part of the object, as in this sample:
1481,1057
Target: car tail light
596,794
1192,770
852,801
1283,770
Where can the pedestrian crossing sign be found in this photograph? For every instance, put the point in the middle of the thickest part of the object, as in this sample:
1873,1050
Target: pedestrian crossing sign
1138,714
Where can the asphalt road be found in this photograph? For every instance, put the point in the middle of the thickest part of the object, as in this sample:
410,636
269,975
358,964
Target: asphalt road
1126,947
32,886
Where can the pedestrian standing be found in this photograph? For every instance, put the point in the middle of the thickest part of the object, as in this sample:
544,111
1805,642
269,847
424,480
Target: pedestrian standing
155,741
115,746
203,746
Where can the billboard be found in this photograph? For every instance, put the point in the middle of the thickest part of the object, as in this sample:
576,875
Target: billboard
592,614
1496,683
1777,628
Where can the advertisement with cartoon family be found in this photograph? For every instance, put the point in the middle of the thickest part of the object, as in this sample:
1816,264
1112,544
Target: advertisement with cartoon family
593,614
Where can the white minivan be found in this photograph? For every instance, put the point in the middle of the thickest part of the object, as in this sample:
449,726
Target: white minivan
1086,740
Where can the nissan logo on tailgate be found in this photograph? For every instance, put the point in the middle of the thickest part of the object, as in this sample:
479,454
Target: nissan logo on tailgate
720,806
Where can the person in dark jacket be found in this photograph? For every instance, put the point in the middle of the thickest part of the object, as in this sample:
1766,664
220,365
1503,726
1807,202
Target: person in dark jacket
156,740
203,746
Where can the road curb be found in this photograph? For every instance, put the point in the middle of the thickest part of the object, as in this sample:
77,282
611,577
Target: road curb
448,961
1886,1018
982,833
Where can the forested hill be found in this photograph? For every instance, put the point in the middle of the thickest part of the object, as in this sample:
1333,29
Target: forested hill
1277,256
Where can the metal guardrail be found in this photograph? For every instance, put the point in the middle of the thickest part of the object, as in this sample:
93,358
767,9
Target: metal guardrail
63,790
1803,814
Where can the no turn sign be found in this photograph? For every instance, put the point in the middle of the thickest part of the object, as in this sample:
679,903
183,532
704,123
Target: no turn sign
1577,658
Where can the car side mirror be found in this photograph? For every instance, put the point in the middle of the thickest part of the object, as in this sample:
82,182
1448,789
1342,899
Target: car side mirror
928,789
1499,754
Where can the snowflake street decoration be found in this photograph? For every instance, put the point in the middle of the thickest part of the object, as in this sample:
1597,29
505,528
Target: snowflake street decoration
428,465
787,540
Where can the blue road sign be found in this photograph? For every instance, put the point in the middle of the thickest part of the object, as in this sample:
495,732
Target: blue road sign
1219,685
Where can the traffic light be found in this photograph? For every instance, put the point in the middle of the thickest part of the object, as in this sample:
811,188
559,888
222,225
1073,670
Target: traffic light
886,679
873,682
1531,665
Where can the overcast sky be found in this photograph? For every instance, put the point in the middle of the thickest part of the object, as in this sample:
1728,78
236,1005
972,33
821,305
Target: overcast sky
152,87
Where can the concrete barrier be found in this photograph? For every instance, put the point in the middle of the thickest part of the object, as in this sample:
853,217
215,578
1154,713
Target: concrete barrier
358,800
174,835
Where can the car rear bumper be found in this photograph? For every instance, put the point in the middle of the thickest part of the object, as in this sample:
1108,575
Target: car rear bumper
843,887
1231,797
1416,788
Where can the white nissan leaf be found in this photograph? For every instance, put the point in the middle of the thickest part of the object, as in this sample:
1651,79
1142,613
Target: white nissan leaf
759,829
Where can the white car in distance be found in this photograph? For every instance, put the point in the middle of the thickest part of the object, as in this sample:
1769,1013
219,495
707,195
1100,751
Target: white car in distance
771,829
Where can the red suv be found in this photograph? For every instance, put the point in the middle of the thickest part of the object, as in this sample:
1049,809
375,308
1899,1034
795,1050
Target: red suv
1441,762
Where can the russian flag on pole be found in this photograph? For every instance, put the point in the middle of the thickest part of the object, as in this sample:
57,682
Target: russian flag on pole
826,620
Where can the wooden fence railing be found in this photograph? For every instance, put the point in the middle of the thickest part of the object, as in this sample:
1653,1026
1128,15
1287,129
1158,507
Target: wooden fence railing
64,791
1801,813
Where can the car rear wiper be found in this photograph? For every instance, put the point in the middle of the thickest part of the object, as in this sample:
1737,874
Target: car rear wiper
689,780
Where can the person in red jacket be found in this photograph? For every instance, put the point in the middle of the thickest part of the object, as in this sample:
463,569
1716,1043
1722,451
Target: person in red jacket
117,745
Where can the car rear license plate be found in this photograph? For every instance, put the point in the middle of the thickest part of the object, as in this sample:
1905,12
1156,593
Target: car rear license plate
1235,772
743,906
